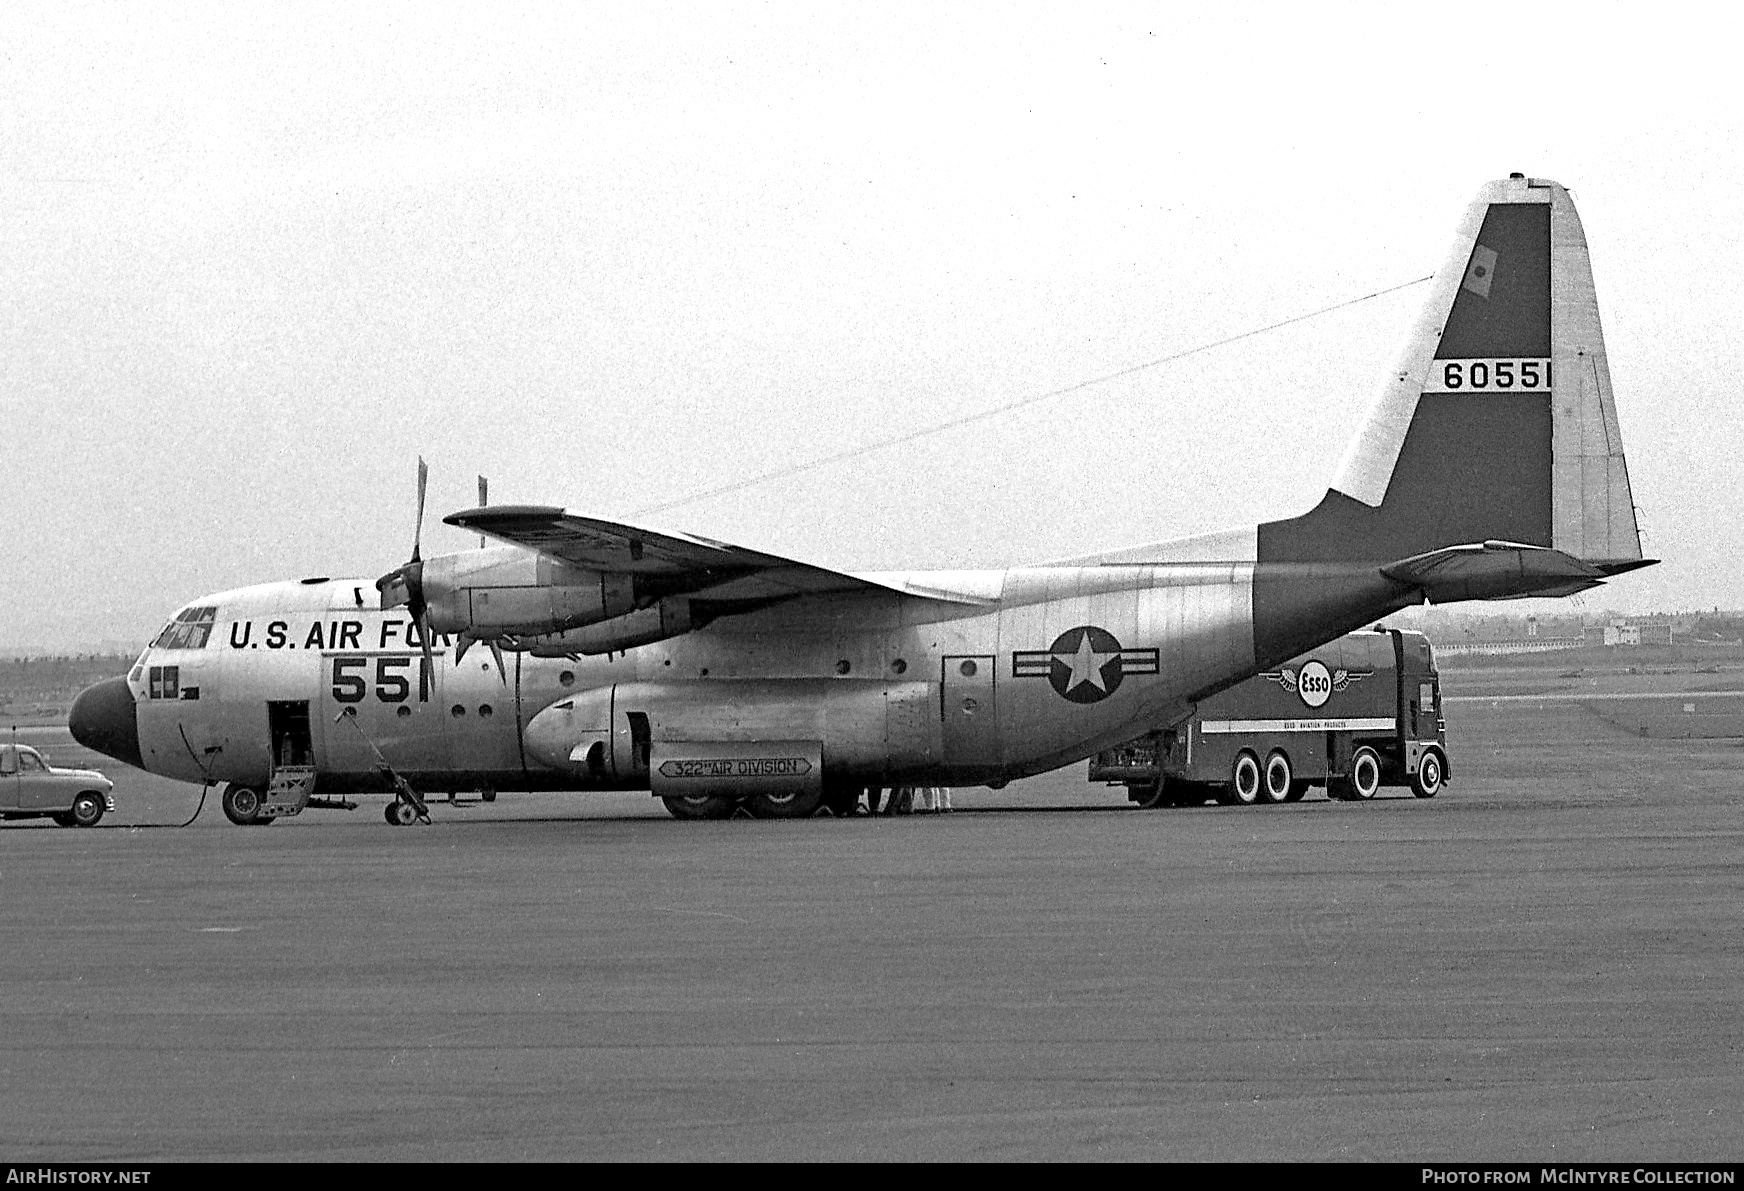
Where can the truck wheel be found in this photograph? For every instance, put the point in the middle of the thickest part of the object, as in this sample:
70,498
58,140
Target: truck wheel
1189,793
1277,777
798,804
241,804
1157,793
699,806
1426,782
1365,773
1244,779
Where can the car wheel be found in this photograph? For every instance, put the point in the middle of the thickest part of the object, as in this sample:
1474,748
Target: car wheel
87,809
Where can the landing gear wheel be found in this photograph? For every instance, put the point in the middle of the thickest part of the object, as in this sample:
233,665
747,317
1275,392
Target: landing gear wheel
1156,794
1277,779
842,802
699,806
1426,783
798,804
400,814
242,805
1244,779
1365,773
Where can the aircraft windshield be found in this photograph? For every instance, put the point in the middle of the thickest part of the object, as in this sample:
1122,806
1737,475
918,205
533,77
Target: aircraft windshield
189,630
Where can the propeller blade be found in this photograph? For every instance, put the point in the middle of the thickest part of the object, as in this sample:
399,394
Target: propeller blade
423,484
496,649
483,500
461,647
424,635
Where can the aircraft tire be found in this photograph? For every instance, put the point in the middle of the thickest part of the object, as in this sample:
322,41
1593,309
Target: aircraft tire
241,805
801,804
1426,782
1245,779
842,801
700,806
1277,779
1365,773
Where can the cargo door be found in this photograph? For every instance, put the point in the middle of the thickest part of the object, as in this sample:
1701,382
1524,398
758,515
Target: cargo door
970,710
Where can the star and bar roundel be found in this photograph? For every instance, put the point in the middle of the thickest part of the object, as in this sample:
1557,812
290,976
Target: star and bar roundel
1084,665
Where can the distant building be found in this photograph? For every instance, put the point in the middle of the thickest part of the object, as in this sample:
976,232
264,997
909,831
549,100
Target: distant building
1624,632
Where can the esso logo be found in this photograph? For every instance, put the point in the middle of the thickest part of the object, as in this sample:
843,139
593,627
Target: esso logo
1314,684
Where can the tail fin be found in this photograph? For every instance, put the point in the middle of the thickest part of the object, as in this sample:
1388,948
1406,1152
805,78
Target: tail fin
1497,424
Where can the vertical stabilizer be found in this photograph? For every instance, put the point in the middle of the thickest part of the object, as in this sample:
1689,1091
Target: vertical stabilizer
1497,423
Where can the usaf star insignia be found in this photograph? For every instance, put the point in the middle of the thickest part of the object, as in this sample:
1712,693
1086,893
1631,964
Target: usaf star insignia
1084,665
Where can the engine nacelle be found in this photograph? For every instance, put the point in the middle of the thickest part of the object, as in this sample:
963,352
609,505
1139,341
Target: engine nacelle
505,590
669,618
609,736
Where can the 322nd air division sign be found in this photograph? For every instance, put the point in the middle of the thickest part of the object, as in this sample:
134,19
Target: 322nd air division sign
1084,665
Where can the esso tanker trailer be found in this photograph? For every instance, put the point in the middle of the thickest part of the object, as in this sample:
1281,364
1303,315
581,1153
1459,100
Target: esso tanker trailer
1356,714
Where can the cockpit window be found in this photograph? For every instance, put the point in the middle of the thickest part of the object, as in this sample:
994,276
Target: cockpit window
189,630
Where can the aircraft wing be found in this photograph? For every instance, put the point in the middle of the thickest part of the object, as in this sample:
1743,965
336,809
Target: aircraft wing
699,566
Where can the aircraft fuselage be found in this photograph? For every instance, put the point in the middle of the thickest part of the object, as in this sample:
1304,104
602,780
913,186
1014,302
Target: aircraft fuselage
1058,663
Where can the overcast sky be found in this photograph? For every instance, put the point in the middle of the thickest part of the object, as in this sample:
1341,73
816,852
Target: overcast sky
255,259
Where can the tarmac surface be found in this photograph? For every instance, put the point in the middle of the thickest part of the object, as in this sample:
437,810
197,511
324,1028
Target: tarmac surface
1546,963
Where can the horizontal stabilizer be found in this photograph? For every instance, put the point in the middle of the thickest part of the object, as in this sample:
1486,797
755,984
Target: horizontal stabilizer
1494,571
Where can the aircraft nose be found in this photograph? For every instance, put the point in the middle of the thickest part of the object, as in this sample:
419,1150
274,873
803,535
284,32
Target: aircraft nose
103,719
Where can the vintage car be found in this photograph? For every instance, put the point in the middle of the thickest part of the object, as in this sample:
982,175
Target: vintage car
31,788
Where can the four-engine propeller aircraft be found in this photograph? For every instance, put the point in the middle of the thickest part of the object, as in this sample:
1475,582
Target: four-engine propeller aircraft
619,657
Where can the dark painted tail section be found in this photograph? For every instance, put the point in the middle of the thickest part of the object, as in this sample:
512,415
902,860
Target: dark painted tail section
1476,464
1474,468
1490,466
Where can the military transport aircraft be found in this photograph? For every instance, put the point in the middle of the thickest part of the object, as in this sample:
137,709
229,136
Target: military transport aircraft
614,657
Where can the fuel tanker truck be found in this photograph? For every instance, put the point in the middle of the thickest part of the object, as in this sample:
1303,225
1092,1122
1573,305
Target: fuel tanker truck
1356,714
